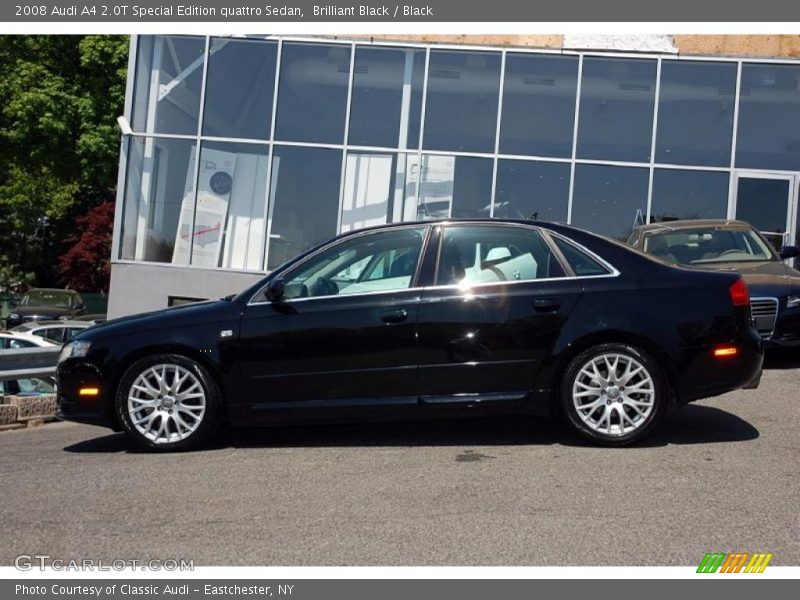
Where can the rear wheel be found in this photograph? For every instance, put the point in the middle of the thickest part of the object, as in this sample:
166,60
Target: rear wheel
168,402
613,394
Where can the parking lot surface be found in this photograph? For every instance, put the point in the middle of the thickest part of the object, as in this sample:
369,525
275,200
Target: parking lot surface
722,475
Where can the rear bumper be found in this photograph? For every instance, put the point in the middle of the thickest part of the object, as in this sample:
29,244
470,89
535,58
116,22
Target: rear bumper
705,375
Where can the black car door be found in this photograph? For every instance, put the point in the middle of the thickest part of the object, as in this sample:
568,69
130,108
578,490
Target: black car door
497,304
345,333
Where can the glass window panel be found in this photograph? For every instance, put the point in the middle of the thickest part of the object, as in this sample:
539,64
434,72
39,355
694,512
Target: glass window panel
695,113
461,103
583,264
379,187
539,105
387,97
169,77
681,194
616,110
239,89
769,117
303,208
609,200
488,254
160,179
529,189
764,203
454,186
312,93
377,262
232,190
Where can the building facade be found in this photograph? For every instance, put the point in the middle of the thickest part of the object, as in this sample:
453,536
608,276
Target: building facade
243,152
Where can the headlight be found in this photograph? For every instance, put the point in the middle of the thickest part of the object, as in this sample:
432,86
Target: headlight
75,349
13,316
793,302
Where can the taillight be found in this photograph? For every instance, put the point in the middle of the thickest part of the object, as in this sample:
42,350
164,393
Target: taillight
740,295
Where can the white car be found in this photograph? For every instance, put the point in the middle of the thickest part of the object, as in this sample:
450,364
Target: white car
10,340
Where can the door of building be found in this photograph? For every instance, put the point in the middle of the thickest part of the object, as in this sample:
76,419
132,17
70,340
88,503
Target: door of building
766,201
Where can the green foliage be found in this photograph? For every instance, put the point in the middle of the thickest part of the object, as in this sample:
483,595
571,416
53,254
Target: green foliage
59,145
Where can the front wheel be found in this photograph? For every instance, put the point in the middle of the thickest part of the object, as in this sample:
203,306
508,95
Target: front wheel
613,394
168,402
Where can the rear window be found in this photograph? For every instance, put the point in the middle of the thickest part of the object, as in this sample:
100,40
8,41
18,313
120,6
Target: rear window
583,264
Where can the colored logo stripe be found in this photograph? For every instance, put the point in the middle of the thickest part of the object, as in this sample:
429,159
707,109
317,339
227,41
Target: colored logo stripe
734,563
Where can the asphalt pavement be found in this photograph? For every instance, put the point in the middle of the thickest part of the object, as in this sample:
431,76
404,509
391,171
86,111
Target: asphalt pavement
721,475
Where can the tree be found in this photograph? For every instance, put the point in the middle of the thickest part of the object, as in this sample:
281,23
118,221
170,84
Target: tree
87,264
59,99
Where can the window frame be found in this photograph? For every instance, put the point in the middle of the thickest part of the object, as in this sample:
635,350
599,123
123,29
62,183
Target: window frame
296,266
569,273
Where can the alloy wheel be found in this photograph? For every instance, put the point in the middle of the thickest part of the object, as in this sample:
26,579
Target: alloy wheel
166,403
613,394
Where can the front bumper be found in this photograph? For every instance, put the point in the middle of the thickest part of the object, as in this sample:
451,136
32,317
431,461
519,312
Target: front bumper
787,330
74,374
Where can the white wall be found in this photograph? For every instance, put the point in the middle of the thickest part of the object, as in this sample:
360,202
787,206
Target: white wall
138,288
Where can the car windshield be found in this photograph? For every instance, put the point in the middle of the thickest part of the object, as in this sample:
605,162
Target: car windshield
707,245
42,298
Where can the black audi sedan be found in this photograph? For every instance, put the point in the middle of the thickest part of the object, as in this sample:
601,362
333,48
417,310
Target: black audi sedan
735,246
424,320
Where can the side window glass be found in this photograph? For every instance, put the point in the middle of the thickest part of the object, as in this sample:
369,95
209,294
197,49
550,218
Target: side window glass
374,262
19,344
583,264
486,254
54,334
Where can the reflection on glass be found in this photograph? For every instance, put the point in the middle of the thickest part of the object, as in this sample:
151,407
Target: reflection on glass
169,76
461,103
454,186
769,117
481,254
229,222
379,187
609,200
539,105
532,190
312,93
681,194
239,88
304,200
387,97
764,203
695,113
160,179
616,112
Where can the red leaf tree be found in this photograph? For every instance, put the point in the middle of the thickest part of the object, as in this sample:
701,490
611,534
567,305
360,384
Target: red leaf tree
86,266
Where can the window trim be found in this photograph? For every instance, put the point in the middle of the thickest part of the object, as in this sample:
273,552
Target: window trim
356,234
612,270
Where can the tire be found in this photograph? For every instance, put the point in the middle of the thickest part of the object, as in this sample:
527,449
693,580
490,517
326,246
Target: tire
618,409
155,417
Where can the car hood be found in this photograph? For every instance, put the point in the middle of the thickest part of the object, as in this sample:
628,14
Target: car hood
49,312
178,316
768,277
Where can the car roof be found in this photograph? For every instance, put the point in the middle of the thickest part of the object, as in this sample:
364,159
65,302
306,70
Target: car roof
52,324
693,224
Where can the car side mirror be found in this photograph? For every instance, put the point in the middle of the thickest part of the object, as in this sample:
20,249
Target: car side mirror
80,306
276,289
789,252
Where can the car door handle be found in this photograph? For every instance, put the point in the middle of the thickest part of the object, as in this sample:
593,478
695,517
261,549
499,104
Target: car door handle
394,316
546,304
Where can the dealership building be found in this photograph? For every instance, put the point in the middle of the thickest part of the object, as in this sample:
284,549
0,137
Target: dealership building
241,152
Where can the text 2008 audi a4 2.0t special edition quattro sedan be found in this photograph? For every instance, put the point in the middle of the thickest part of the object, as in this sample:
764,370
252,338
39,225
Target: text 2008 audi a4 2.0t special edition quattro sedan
419,320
